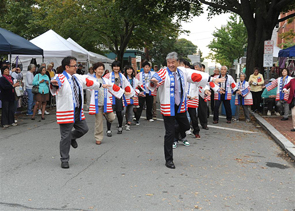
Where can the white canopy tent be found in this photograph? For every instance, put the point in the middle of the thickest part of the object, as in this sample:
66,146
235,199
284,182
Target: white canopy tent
55,49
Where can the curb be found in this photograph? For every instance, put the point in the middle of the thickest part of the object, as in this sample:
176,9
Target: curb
281,140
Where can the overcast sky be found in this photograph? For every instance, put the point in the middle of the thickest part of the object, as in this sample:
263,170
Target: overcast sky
201,30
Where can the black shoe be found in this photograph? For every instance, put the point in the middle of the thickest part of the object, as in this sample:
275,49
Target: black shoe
65,165
293,130
284,119
170,164
74,143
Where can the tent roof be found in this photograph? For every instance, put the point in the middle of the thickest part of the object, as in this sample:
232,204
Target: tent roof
56,46
15,44
102,58
288,52
94,57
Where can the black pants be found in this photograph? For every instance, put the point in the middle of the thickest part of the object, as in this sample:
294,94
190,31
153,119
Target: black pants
194,120
7,117
270,104
202,112
212,101
227,107
149,106
256,101
169,122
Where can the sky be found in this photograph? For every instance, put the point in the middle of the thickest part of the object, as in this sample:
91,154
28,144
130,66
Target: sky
202,29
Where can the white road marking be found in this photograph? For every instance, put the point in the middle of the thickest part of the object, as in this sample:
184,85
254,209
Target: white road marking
217,127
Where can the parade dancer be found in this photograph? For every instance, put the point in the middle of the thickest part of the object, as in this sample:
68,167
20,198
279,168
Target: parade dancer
68,89
118,104
129,73
100,101
243,98
171,83
224,95
147,95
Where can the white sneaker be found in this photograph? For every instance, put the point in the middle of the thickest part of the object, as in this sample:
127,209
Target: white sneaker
277,113
174,145
268,113
151,120
39,112
188,132
127,127
46,112
13,124
137,123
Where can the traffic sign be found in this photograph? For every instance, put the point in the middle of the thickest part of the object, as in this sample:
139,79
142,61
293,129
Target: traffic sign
268,46
267,60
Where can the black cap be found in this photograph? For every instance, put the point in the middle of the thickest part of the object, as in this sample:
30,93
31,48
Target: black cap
6,62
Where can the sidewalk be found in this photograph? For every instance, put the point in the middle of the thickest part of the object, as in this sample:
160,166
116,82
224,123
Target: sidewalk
279,131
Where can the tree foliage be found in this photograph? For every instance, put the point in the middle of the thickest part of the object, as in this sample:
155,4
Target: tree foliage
260,18
229,42
115,24
167,44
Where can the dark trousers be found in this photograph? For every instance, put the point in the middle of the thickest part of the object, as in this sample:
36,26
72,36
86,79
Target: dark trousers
256,101
149,106
67,135
227,107
212,101
7,117
194,120
270,104
203,112
169,123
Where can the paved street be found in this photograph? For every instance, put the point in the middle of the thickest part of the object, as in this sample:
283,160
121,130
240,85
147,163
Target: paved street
232,167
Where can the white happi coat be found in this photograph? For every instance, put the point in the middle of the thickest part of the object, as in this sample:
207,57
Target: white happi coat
141,79
246,97
166,88
193,91
125,85
65,104
108,92
279,83
134,101
230,87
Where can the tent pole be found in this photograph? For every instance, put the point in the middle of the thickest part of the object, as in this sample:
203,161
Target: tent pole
42,58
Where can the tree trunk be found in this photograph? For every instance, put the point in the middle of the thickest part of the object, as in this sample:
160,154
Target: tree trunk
257,34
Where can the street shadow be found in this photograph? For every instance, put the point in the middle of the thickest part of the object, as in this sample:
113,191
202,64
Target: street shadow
277,165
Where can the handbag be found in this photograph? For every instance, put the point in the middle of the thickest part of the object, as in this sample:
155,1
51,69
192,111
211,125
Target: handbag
35,88
19,91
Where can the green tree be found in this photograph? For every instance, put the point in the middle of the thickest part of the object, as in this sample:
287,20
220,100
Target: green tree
116,24
260,18
229,42
288,36
167,44
17,16
184,48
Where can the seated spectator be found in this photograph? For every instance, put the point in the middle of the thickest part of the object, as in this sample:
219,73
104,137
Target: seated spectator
7,97
269,98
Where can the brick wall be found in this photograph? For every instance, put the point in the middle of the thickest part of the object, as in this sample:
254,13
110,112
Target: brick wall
285,27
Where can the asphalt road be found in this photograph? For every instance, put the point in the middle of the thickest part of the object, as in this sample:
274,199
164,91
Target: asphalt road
232,167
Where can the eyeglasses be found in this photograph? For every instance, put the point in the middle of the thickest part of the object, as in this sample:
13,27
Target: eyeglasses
73,65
